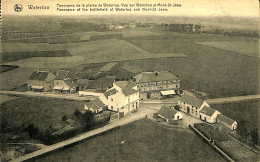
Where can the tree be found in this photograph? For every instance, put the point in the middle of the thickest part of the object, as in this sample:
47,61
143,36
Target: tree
77,113
32,130
255,136
177,107
242,129
88,119
64,118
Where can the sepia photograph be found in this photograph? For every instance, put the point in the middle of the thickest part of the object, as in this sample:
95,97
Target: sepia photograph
132,81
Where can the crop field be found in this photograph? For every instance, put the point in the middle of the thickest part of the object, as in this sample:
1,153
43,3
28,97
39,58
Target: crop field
133,69
13,56
90,52
217,72
4,68
143,140
138,33
250,48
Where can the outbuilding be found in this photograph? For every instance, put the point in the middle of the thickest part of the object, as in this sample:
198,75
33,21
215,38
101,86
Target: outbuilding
95,106
169,114
209,114
229,123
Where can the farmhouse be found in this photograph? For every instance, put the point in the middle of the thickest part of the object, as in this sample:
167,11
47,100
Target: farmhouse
156,84
209,114
229,123
191,105
95,106
65,82
169,114
41,81
123,97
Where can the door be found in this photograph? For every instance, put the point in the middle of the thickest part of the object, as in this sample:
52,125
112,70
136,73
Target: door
188,109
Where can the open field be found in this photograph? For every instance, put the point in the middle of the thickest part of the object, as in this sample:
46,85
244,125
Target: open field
13,56
133,69
42,112
245,48
142,140
4,98
217,72
108,66
91,52
138,33
4,68
15,78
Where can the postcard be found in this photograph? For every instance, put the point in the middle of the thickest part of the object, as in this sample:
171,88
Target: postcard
136,80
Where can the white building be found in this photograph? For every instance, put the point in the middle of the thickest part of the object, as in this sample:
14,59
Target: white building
191,105
209,114
123,97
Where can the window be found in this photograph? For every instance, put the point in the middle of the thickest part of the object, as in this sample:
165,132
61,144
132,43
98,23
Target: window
176,86
112,107
112,99
196,112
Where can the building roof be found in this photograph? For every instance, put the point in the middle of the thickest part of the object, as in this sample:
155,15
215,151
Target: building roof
192,100
127,87
167,113
146,77
128,91
208,110
102,83
225,119
39,75
64,75
110,92
125,84
95,104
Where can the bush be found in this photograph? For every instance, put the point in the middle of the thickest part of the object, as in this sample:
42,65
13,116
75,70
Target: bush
155,115
32,130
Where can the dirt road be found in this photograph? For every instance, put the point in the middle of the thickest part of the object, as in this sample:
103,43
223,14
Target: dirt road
46,94
232,99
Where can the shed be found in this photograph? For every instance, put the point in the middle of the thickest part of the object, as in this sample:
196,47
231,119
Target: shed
228,122
169,114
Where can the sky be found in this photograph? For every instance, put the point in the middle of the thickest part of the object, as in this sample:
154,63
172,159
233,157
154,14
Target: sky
241,8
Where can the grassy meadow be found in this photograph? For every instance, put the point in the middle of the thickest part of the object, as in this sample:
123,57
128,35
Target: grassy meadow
143,140
42,112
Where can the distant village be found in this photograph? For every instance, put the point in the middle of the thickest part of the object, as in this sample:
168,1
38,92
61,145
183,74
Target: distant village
123,97
105,27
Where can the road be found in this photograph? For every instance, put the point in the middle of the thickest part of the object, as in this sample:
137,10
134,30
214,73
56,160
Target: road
74,96
113,124
232,99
